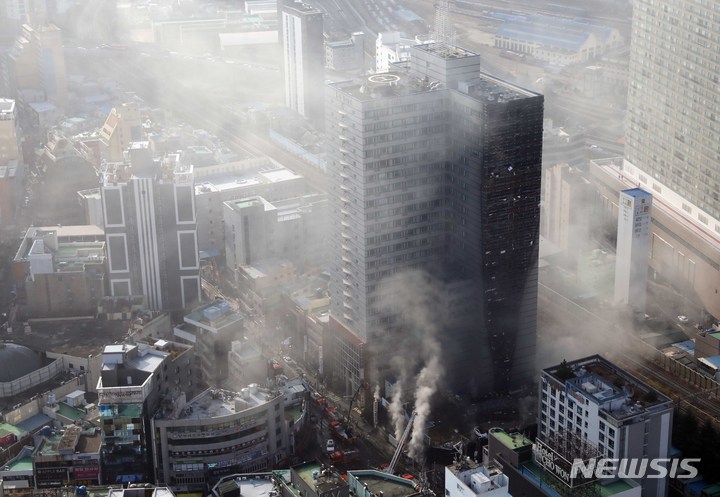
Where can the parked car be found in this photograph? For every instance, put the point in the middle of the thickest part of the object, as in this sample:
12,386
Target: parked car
330,446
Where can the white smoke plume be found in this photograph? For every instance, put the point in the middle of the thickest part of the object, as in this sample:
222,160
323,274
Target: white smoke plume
396,411
417,304
427,385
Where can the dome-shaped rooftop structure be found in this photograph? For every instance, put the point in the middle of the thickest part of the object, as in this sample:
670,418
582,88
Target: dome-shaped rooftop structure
17,361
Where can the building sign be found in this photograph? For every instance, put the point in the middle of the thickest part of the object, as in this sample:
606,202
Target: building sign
122,395
51,477
552,462
86,472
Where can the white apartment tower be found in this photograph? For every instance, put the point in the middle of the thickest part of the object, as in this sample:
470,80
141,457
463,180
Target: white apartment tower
633,248
303,54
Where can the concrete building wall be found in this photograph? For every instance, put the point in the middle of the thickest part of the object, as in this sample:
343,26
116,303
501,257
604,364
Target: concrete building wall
633,248
301,28
682,253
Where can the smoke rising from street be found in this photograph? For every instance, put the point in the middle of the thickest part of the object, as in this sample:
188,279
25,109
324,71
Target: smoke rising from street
416,304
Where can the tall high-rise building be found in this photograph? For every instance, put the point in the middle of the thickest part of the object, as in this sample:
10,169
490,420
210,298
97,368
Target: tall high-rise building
444,30
436,166
633,248
150,230
304,55
673,119
37,62
11,170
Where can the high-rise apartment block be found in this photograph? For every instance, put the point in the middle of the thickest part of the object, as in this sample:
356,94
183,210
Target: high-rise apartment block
673,119
598,402
303,52
150,230
633,248
436,166
11,171
37,62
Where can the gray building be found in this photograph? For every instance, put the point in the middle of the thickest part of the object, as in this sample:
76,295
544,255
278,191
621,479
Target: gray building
133,381
672,130
293,229
347,54
301,30
150,230
633,248
437,166
233,181
598,402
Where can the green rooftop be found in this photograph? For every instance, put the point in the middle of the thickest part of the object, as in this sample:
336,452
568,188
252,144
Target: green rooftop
305,472
614,488
512,441
22,464
715,335
70,412
6,428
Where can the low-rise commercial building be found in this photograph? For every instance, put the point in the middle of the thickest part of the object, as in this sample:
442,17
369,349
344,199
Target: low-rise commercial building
212,328
71,457
221,183
294,229
134,378
222,432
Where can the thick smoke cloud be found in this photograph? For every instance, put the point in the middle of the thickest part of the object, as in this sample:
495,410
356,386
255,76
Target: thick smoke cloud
416,305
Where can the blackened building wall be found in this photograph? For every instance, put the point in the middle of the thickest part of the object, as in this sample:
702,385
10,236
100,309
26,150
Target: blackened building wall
436,166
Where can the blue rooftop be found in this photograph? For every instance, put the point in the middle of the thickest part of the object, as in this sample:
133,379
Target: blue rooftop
553,32
686,346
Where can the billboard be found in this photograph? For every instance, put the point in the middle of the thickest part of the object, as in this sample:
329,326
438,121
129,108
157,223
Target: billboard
551,461
120,395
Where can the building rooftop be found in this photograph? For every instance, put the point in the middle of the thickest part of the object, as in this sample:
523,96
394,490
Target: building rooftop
216,403
92,193
7,109
445,51
616,391
713,362
551,32
252,485
74,440
266,267
141,492
21,464
385,85
70,412
242,174
318,477
389,485
512,441
214,316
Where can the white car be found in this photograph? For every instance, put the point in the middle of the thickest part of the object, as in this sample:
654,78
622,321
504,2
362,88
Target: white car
289,360
330,446
683,319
